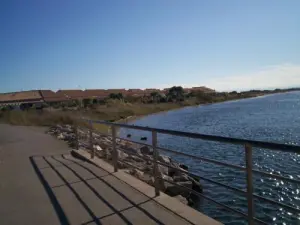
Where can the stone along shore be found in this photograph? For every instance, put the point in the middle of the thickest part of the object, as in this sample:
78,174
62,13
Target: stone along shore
132,155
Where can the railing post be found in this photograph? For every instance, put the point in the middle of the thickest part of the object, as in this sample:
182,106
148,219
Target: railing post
76,136
115,152
248,158
155,165
91,139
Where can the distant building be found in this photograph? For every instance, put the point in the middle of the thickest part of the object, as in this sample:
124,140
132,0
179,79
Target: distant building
96,93
53,97
71,94
20,99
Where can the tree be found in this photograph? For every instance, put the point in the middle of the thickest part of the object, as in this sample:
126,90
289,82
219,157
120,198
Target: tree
176,93
155,96
87,102
116,96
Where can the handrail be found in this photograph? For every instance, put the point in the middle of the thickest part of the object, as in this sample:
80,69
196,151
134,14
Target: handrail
237,141
248,144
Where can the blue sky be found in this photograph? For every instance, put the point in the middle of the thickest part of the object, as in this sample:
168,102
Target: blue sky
142,44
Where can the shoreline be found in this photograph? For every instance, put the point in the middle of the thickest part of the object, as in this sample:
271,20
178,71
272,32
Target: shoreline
133,118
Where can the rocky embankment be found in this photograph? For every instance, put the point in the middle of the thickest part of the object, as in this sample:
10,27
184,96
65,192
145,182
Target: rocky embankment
140,156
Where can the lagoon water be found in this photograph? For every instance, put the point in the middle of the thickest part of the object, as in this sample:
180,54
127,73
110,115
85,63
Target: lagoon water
274,118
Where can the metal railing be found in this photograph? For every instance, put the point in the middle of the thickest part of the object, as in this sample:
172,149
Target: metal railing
248,145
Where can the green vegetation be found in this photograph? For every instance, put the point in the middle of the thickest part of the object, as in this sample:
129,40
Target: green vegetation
117,107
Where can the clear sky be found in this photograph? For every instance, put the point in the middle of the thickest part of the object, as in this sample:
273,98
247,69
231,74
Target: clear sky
233,44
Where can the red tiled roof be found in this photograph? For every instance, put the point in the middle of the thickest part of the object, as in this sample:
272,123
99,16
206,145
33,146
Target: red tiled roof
72,94
21,96
50,96
96,93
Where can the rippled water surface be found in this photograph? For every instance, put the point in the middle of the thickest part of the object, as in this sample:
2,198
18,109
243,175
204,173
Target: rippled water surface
274,118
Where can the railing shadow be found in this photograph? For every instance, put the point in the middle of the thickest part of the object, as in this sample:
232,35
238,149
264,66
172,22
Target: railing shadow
57,163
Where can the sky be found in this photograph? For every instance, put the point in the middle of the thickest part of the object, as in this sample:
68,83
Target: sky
225,45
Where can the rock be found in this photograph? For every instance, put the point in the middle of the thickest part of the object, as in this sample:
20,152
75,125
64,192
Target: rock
122,155
100,154
146,150
147,169
143,138
135,158
184,167
196,186
163,169
166,177
122,165
174,170
164,159
128,135
174,190
180,178
181,199
141,175
60,136
97,147
108,154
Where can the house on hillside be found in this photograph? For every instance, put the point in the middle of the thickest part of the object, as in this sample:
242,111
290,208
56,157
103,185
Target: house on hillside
72,94
51,97
22,100
116,91
135,92
96,93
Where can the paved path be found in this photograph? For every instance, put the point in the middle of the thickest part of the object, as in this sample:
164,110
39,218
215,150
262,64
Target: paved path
41,183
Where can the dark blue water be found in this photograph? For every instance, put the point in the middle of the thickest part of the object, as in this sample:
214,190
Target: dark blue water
274,118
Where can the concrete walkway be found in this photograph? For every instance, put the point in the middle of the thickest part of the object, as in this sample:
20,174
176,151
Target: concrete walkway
41,183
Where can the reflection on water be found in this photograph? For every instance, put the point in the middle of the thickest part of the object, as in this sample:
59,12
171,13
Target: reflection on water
273,118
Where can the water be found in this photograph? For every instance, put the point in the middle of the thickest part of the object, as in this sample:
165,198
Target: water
274,118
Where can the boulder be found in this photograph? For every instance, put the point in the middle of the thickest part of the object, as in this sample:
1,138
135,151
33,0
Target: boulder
180,178
122,155
108,154
60,136
146,150
97,147
196,185
174,190
166,177
134,158
184,167
164,159
141,175
182,199
163,169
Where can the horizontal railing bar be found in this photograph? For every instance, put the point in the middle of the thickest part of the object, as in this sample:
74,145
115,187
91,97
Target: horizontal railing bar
274,146
238,141
186,172
204,159
208,198
215,162
188,155
277,203
129,164
214,201
198,194
277,176
203,178
218,183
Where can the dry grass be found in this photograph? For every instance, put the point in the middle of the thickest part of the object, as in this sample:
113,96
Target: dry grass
113,111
